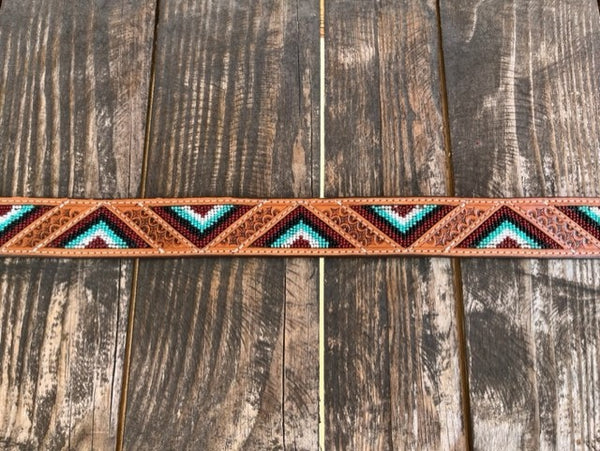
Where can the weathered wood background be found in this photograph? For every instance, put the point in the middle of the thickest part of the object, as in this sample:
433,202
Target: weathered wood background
197,97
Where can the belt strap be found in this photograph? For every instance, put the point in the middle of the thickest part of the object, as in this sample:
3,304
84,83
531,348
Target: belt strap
435,226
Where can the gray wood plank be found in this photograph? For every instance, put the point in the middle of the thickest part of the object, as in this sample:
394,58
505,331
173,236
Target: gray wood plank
392,367
224,350
73,95
524,102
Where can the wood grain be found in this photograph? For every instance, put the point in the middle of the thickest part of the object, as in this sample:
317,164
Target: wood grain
524,101
224,350
392,368
73,94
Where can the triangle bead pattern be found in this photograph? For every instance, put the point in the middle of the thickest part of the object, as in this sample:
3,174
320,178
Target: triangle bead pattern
506,229
101,229
404,223
201,224
15,218
588,217
302,229
427,226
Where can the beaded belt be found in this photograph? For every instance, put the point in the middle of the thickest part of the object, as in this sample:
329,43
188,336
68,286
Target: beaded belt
436,226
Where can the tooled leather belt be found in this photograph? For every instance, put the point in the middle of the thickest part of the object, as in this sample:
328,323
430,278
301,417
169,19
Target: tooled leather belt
435,226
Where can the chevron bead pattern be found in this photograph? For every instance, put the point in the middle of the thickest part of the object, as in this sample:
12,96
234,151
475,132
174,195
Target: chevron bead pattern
101,229
404,223
558,227
302,229
506,229
586,216
15,218
200,224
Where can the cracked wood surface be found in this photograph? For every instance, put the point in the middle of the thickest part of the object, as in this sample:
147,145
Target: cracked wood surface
73,96
524,101
392,367
224,350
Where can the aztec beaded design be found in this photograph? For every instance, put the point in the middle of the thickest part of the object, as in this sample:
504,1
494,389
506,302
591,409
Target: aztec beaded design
200,224
15,218
302,229
506,229
586,216
218,226
101,229
404,223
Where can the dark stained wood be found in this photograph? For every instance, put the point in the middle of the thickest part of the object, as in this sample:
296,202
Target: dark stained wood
224,350
73,95
392,368
524,102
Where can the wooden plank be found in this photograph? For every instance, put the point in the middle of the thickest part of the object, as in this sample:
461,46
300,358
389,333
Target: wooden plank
392,368
224,350
73,95
524,102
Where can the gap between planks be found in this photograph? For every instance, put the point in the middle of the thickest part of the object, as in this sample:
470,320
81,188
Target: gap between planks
322,195
136,264
456,265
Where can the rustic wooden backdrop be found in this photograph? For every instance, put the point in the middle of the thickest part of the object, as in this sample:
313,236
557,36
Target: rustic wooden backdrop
116,98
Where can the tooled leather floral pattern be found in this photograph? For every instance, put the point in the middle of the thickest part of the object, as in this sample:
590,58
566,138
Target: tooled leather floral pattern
251,225
559,226
152,227
353,226
47,226
454,227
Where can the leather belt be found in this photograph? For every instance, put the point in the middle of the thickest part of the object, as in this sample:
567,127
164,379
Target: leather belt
434,226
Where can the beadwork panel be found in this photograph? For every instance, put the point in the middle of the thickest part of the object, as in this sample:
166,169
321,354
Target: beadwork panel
559,227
